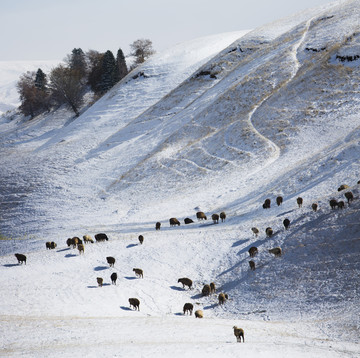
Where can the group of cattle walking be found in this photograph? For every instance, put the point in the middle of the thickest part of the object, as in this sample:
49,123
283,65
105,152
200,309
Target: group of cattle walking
286,222
200,215
208,289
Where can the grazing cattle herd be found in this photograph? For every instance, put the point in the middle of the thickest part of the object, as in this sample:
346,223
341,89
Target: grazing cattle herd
208,289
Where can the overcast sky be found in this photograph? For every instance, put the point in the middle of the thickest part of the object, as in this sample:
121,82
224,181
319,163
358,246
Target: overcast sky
50,29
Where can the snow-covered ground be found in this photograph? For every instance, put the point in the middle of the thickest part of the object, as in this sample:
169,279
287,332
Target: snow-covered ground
216,124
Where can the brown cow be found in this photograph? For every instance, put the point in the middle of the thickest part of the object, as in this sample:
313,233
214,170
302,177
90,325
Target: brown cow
349,196
299,201
267,204
101,237
113,278
333,203
80,248
99,281
201,216
206,290
269,231
188,307
276,251
21,258
138,272
222,216
174,222
135,303
286,223
215,218
253,251
222,298
252,265
341,204
185,282
111,261
239,333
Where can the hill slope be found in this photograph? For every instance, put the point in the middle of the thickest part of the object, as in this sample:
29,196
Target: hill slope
253,116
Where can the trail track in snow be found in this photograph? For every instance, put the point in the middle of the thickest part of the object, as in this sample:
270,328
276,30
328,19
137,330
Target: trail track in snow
296,66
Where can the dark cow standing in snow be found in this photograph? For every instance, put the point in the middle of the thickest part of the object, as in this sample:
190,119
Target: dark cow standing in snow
21,258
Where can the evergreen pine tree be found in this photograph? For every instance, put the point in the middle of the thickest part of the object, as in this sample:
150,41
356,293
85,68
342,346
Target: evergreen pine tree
40,80
77,63
108,70
95,60
121,68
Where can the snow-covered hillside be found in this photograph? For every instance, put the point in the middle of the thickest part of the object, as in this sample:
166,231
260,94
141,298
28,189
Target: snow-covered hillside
216,124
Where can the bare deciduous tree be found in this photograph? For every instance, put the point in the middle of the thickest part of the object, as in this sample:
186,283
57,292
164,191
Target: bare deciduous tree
66,88
34,97
141,49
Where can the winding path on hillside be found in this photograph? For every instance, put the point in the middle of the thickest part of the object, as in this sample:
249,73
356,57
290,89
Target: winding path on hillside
296,67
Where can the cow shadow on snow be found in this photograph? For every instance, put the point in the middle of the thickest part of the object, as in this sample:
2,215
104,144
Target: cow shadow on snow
211,306
104,284
197,296
131,245
100,268
240,242
177,288
70,255
125,308
62,250
285,213
10,265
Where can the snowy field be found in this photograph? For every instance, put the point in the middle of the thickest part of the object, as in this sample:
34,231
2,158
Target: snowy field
215,124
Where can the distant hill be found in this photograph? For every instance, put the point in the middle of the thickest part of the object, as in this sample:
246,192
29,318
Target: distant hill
10,72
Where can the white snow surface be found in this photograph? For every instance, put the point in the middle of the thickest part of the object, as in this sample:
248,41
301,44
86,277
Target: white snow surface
216,124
